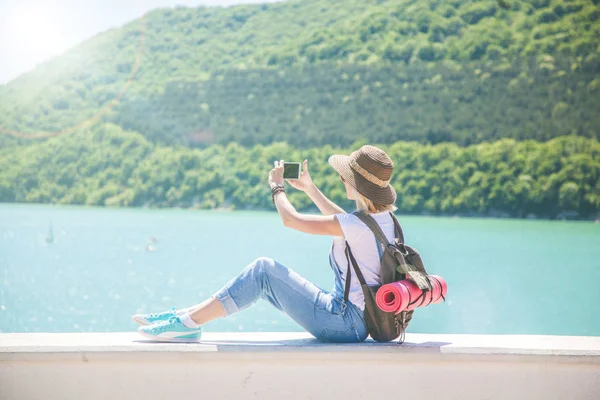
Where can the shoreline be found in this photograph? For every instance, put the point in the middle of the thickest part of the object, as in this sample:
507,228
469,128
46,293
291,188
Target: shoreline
565,216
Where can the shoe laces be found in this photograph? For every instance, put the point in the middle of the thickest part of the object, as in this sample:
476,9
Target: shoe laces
156,315
172,320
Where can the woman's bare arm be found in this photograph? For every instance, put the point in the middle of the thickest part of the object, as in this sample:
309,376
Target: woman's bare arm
326,206
313,224
306,184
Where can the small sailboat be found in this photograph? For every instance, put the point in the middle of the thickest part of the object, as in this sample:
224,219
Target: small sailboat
151,244
50,237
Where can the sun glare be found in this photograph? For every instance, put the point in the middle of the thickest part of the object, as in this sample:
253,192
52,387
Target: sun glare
37,32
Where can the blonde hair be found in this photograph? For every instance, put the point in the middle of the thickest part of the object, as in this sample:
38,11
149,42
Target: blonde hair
366,205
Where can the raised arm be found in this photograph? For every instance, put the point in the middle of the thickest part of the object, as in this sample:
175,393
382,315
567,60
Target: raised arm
314,224
326,206
305,183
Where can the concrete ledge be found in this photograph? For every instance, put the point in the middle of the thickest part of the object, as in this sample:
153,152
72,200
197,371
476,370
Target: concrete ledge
22,344
295,365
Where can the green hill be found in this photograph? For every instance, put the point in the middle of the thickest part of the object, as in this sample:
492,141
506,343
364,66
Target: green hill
314,72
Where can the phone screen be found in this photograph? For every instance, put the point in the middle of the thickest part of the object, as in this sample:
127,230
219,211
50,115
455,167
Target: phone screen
291,170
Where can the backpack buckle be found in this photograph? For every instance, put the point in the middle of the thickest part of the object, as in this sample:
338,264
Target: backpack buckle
402,248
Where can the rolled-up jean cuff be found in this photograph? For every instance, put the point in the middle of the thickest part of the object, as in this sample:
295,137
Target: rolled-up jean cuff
227,301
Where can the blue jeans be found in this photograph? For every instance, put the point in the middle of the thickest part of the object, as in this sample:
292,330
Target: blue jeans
318,312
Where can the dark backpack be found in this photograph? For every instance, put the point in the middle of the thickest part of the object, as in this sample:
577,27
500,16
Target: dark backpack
399,261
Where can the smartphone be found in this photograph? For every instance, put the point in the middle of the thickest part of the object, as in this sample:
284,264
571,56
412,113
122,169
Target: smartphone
291,170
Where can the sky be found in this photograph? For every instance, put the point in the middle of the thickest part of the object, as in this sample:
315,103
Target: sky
33,31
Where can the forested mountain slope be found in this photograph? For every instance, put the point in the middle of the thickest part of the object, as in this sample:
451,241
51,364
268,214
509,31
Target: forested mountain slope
110,167
314,72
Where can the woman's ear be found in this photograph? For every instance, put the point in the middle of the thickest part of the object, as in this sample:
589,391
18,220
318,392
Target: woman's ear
350,192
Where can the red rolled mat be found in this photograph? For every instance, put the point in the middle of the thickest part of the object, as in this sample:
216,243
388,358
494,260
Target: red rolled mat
392,297
405,295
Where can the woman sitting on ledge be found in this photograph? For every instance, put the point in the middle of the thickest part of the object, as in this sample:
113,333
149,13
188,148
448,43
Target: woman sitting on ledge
366,174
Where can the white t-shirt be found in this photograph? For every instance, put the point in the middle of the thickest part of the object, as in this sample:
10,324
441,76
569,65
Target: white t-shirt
364,248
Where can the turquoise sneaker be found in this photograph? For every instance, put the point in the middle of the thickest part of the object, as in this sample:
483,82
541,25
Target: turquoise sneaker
149,319
171,331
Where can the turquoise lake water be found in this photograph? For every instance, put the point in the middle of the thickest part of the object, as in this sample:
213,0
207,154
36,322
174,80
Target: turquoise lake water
504,276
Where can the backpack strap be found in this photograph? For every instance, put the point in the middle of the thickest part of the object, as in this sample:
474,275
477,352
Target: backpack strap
399,234
351,260
374,227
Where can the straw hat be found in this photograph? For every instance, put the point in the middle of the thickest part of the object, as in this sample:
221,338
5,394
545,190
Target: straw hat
368,170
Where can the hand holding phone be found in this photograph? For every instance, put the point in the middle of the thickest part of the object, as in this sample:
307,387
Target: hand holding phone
304,181
291,170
